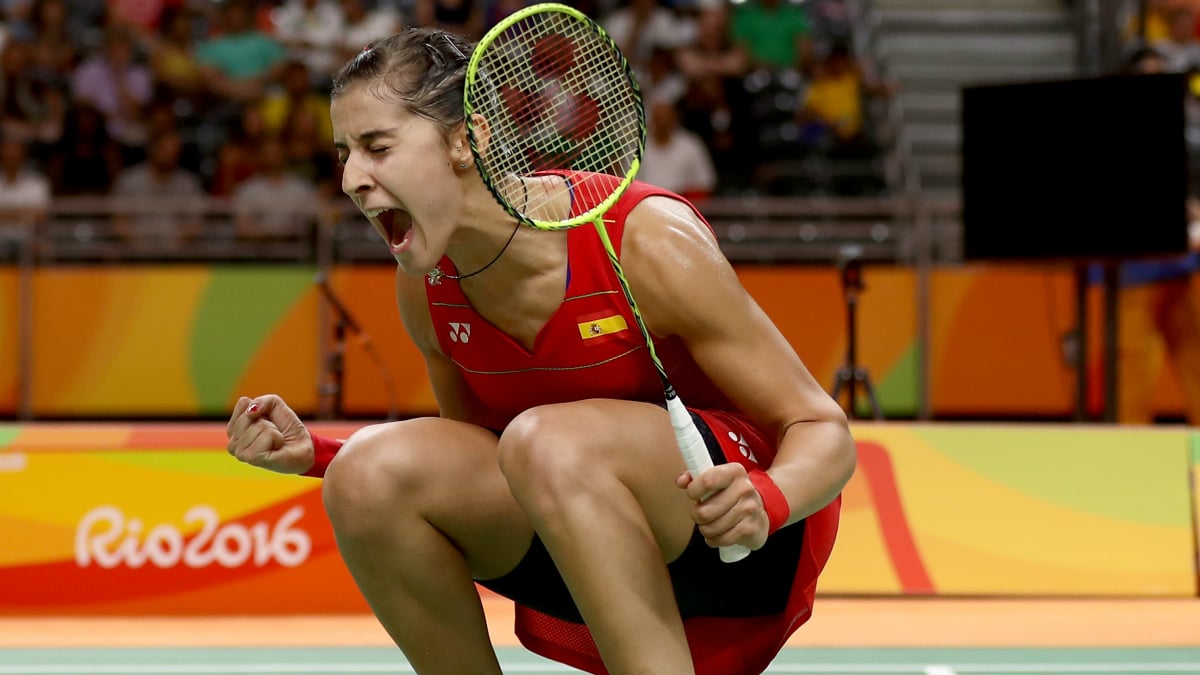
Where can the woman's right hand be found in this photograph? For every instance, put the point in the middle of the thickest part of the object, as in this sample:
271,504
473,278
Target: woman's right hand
265,432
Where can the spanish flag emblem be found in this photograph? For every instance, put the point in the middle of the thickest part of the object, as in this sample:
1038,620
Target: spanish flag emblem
603,326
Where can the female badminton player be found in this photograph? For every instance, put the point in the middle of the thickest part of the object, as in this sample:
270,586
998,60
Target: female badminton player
552,474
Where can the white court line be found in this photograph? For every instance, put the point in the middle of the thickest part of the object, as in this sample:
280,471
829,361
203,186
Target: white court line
300,668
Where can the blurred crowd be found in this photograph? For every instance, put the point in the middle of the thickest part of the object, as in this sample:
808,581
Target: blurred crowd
1166,31
183,99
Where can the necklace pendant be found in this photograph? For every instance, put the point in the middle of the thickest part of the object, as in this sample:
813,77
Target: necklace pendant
435,276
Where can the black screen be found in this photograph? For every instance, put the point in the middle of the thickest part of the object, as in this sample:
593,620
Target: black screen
1078,169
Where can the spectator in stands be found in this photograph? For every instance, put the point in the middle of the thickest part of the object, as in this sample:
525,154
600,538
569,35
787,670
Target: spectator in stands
662,79
173,56
161,118
237,157
86,159
119,87
364,26
1152,23
312,31
776,34
159,202
831,113
461,17
17,15
241,60
1179,48
675,158
712,55
297,94
715,103
1146,61
53,43
274,204
640,26
32,109
308,156
24,192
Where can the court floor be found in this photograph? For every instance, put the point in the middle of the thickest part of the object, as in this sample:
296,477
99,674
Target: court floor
848,636
517,661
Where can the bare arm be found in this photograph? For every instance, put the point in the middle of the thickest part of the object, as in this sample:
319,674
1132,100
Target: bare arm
687,288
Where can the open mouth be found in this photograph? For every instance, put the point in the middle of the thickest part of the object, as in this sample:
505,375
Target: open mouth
393,224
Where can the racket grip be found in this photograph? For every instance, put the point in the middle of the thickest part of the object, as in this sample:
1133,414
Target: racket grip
697,459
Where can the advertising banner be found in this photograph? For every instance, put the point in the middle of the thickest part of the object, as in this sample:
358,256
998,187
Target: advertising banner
1016,510
159,520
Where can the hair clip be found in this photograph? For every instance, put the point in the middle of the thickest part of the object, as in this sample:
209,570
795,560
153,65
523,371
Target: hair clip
461,56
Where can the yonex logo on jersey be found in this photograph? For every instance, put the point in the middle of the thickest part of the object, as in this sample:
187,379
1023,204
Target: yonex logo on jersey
460,332
743,446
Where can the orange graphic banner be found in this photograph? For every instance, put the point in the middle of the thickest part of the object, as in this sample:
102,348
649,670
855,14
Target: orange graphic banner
159,520
1016,510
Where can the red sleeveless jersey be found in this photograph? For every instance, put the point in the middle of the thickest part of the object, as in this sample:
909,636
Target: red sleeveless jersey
590,348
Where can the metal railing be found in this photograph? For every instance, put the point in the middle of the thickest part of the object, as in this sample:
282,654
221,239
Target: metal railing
751,229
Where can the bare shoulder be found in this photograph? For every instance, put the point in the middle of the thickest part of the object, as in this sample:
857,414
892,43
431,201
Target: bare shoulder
662,221
674,264
664,237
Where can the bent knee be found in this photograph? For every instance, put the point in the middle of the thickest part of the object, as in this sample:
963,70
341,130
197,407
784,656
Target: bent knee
366,478
544,446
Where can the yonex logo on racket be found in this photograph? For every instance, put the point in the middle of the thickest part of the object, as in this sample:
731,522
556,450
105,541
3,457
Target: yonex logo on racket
460,332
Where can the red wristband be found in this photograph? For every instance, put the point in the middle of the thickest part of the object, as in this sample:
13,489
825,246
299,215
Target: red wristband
323,451
773,500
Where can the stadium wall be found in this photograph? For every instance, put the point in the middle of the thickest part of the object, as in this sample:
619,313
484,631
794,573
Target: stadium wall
186,341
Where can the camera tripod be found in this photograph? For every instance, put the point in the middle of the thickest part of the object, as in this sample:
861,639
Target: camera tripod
850,376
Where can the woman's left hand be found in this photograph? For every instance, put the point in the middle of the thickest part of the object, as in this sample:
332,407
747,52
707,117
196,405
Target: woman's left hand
727,508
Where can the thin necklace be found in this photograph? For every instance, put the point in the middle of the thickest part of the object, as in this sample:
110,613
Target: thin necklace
436,274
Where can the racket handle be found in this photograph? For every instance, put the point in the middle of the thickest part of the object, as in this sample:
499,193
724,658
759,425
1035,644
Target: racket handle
695,455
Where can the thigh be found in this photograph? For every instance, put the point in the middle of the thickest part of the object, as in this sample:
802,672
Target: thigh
443,471
561,446
635,441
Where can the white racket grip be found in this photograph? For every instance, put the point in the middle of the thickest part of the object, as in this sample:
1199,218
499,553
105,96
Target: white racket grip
697,459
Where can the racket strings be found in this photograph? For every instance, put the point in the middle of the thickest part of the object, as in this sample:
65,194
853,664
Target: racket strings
558,97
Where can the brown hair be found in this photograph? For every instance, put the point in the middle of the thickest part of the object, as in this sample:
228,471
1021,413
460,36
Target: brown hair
424,68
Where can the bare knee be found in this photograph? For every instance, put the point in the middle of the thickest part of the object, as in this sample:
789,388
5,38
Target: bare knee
543,456
366,478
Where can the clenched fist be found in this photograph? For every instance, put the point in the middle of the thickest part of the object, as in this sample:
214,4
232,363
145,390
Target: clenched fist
265,432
